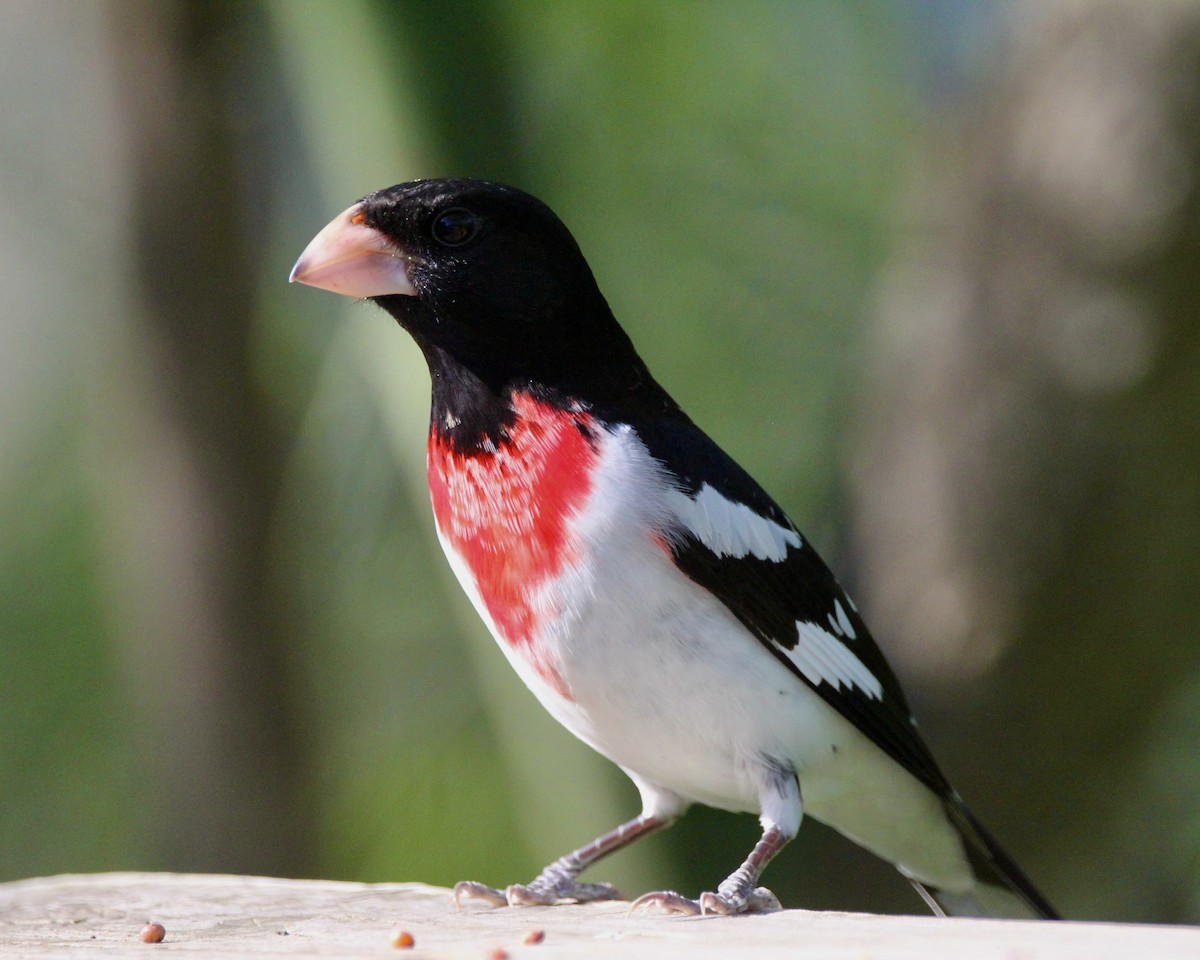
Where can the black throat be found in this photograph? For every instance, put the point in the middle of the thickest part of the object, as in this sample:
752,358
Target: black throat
472,412
466,412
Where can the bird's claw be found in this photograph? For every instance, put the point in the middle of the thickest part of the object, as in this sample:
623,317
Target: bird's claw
760,900
668,901
473,890
548,894
536,894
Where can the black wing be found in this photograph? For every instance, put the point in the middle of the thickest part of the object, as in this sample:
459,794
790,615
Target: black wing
785,595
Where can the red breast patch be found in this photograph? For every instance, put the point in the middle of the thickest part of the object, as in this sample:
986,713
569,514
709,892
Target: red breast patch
506,512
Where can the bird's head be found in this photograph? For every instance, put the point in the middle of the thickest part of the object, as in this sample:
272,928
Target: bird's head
481,272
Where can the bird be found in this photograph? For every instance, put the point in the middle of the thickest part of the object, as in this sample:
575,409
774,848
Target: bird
654,598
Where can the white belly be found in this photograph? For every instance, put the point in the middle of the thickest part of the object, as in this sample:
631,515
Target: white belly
664,681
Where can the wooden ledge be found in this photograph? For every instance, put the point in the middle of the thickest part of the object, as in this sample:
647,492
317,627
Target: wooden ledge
239,917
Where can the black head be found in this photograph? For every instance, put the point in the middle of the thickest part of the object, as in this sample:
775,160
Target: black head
483,275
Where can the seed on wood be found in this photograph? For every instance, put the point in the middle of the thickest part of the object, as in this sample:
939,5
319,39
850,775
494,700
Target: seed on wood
153,933
402,938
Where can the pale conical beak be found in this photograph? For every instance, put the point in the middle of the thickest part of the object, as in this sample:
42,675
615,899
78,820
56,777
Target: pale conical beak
354,260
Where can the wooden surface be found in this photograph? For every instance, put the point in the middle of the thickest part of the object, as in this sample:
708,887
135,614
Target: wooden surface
236,917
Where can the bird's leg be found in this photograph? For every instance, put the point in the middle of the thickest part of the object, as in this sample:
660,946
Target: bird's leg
557,882
782,809
737,893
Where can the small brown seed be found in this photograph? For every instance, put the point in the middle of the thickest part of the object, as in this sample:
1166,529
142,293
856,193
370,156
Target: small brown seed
499,953
153,933
402,938
533,936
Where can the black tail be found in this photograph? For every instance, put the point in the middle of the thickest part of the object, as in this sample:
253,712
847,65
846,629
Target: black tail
1001,888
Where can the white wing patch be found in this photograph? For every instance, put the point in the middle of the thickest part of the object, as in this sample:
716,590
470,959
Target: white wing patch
823,658
731,529
840,623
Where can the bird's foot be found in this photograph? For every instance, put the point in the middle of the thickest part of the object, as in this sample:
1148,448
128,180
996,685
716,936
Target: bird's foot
473,890
737,892
557,883
542,892
548,893
668,901
759,900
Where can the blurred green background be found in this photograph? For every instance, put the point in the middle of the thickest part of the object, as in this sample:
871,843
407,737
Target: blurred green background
928,269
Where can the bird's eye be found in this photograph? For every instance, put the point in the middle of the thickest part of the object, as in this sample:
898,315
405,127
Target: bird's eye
453,228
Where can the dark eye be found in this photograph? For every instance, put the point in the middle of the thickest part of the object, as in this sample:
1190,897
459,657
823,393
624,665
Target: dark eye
453,228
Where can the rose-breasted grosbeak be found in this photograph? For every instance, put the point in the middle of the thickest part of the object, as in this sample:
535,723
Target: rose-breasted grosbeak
656,601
